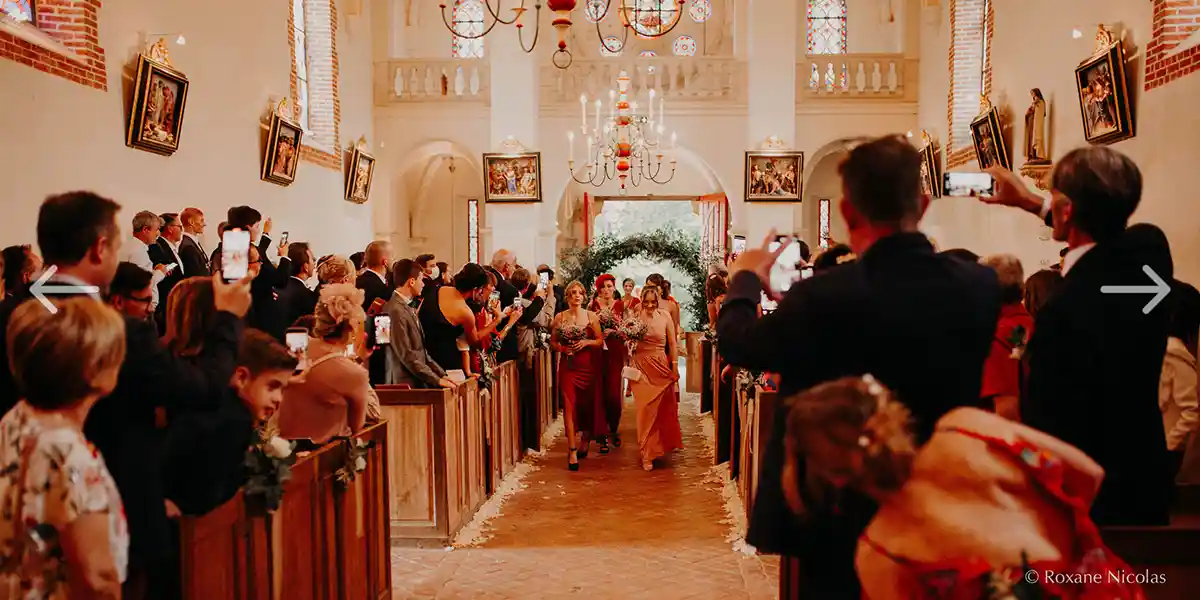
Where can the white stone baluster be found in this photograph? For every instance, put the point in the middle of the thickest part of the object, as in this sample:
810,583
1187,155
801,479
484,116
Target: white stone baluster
830,78
414,87
876,78
430,82
860,80
891,77
814,79
460,81
398,82
474,81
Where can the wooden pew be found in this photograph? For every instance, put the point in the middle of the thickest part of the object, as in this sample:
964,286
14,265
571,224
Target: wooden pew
1187,500
707,375
757,417
505,449
1171,552
436,461
543,376
724,403
362,522
303,530
694,372
224,554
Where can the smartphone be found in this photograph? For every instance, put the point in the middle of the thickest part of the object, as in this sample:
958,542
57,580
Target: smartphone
297,344
806,272
235,254
739,244
784,273
768,305
283,239
962,185
350,350
495,296
381,330
171,267
543,280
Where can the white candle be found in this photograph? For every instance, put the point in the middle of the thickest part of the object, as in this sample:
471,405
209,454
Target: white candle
674,140
583,112
597,127
571,146
652,108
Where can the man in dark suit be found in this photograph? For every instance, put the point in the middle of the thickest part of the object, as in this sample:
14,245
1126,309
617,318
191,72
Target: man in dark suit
79,237
504,264
265,315
921,323
191,247
1095,359
377,289
407,360
295,299
165,251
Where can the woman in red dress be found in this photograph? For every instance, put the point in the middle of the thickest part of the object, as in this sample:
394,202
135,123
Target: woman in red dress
997,504
577,336
611,312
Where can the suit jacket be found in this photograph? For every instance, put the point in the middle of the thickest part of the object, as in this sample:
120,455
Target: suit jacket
161,254
199,481
1095,362
407,360
266,314
195,261
373,288
921,323
295,300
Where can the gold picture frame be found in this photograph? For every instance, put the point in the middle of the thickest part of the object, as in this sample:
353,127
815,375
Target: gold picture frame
359,175
512,177
763,182
987,136
282,155
931,168
157,107
1104,102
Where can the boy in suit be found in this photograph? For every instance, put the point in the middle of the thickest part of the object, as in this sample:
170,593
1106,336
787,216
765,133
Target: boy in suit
407,361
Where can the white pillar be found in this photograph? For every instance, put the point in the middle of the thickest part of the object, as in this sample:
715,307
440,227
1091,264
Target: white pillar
772,27
515,116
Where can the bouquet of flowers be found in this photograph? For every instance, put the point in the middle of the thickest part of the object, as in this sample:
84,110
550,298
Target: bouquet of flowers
569,334
710,334
355,460
632,330
609,323
541,337
269,467
1018,338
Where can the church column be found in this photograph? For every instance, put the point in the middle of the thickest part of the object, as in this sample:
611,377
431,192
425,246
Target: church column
772,27
514,124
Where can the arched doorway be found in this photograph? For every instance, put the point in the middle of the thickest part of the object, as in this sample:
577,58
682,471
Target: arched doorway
440,187
822,189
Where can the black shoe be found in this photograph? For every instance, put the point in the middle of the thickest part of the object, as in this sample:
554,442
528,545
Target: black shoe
603,445
616,440
572,466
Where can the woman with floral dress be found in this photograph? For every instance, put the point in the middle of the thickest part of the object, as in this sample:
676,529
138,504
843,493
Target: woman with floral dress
62,527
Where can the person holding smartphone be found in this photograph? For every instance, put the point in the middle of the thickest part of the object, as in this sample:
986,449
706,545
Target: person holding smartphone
408,363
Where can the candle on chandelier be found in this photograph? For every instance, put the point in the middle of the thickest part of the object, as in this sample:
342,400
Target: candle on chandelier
583,112
597,127
674,140
652,106
571,146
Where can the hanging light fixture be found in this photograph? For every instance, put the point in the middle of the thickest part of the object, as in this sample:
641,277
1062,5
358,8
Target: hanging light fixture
627,146
647,18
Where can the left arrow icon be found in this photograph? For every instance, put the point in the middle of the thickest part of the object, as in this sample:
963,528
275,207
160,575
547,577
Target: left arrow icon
42,287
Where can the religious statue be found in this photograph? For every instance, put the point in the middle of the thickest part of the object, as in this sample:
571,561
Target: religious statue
1104,38
1035,130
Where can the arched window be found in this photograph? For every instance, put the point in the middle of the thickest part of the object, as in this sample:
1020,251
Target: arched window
19,10
970,72
300,61
826,26
468,21
473,230
823,220
314,77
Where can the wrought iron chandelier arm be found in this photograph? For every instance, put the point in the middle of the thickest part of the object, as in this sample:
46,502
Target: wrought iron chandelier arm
537,30
496,13
452,29
599,34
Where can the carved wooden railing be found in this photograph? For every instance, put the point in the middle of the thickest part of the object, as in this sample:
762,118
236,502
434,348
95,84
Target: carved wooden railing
679,78
856,76
432,80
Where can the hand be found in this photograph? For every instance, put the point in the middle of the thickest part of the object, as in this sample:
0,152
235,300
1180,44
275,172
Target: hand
233,297
576,347
161,269
447,384
266,228
516,312
539,293
726,373
1011,191
283,249
173,511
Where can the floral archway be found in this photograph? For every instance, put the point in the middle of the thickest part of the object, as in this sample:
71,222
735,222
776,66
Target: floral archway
586,263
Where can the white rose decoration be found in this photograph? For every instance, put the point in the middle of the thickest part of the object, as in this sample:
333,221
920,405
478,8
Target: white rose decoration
278,448
360,464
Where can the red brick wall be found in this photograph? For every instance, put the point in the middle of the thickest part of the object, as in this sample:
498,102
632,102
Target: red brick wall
73,24
323,145
971,24
1174,22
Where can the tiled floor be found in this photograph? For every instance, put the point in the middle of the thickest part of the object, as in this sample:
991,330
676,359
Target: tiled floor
608,531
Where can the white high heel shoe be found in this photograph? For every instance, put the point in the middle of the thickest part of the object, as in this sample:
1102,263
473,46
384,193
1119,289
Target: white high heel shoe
647,465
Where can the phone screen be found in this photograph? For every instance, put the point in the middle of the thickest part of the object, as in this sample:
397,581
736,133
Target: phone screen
297,344
283,239
350,349
383,330
495,296
768,304
962,185
171,267
543,280
235,254
784,272
739,244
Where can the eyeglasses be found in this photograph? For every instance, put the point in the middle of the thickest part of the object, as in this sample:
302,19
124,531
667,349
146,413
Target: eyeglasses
146,300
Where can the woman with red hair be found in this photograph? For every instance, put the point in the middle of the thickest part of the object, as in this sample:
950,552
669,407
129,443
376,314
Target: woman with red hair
611,311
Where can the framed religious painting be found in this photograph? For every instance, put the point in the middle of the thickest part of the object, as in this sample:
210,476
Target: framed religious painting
159,99
988,138
931,172
283,150
359,175
512,177
1104,96
774,176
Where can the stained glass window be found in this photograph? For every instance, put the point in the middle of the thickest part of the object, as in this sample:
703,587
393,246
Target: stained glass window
651,18
823,220
685,45
468,21
593,10
473,230
300,57
611,46
19,10
826,26
700,10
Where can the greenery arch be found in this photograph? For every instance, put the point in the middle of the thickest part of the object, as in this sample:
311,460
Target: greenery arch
585,264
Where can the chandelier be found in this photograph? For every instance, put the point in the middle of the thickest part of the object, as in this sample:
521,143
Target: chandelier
627,146
647,18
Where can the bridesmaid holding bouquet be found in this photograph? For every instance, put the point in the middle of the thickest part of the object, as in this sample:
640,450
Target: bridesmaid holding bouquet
655,357
578,337
611,313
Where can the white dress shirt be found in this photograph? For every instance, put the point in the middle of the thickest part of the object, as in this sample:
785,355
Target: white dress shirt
1073,256
1177,394
137,252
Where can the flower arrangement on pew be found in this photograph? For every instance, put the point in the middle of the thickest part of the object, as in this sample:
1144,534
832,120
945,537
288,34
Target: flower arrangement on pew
268,468
747,380
486,370
354,461
710,334
541,337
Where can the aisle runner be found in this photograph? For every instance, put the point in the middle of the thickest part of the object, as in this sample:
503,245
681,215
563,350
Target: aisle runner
477,532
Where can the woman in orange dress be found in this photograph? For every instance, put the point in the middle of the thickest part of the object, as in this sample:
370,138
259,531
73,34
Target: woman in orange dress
655,356
577,336
611,313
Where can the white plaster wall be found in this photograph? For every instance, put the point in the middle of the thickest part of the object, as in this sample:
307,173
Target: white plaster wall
61,136
1035,48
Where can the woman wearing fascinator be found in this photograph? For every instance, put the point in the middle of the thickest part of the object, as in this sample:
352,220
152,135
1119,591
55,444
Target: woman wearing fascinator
333,396
980,512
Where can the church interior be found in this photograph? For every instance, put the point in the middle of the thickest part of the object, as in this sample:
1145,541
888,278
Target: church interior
504,132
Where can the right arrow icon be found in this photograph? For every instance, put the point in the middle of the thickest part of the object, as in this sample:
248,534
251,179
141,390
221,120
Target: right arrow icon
1160,289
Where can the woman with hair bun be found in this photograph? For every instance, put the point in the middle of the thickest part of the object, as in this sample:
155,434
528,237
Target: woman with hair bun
980,511
611,313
